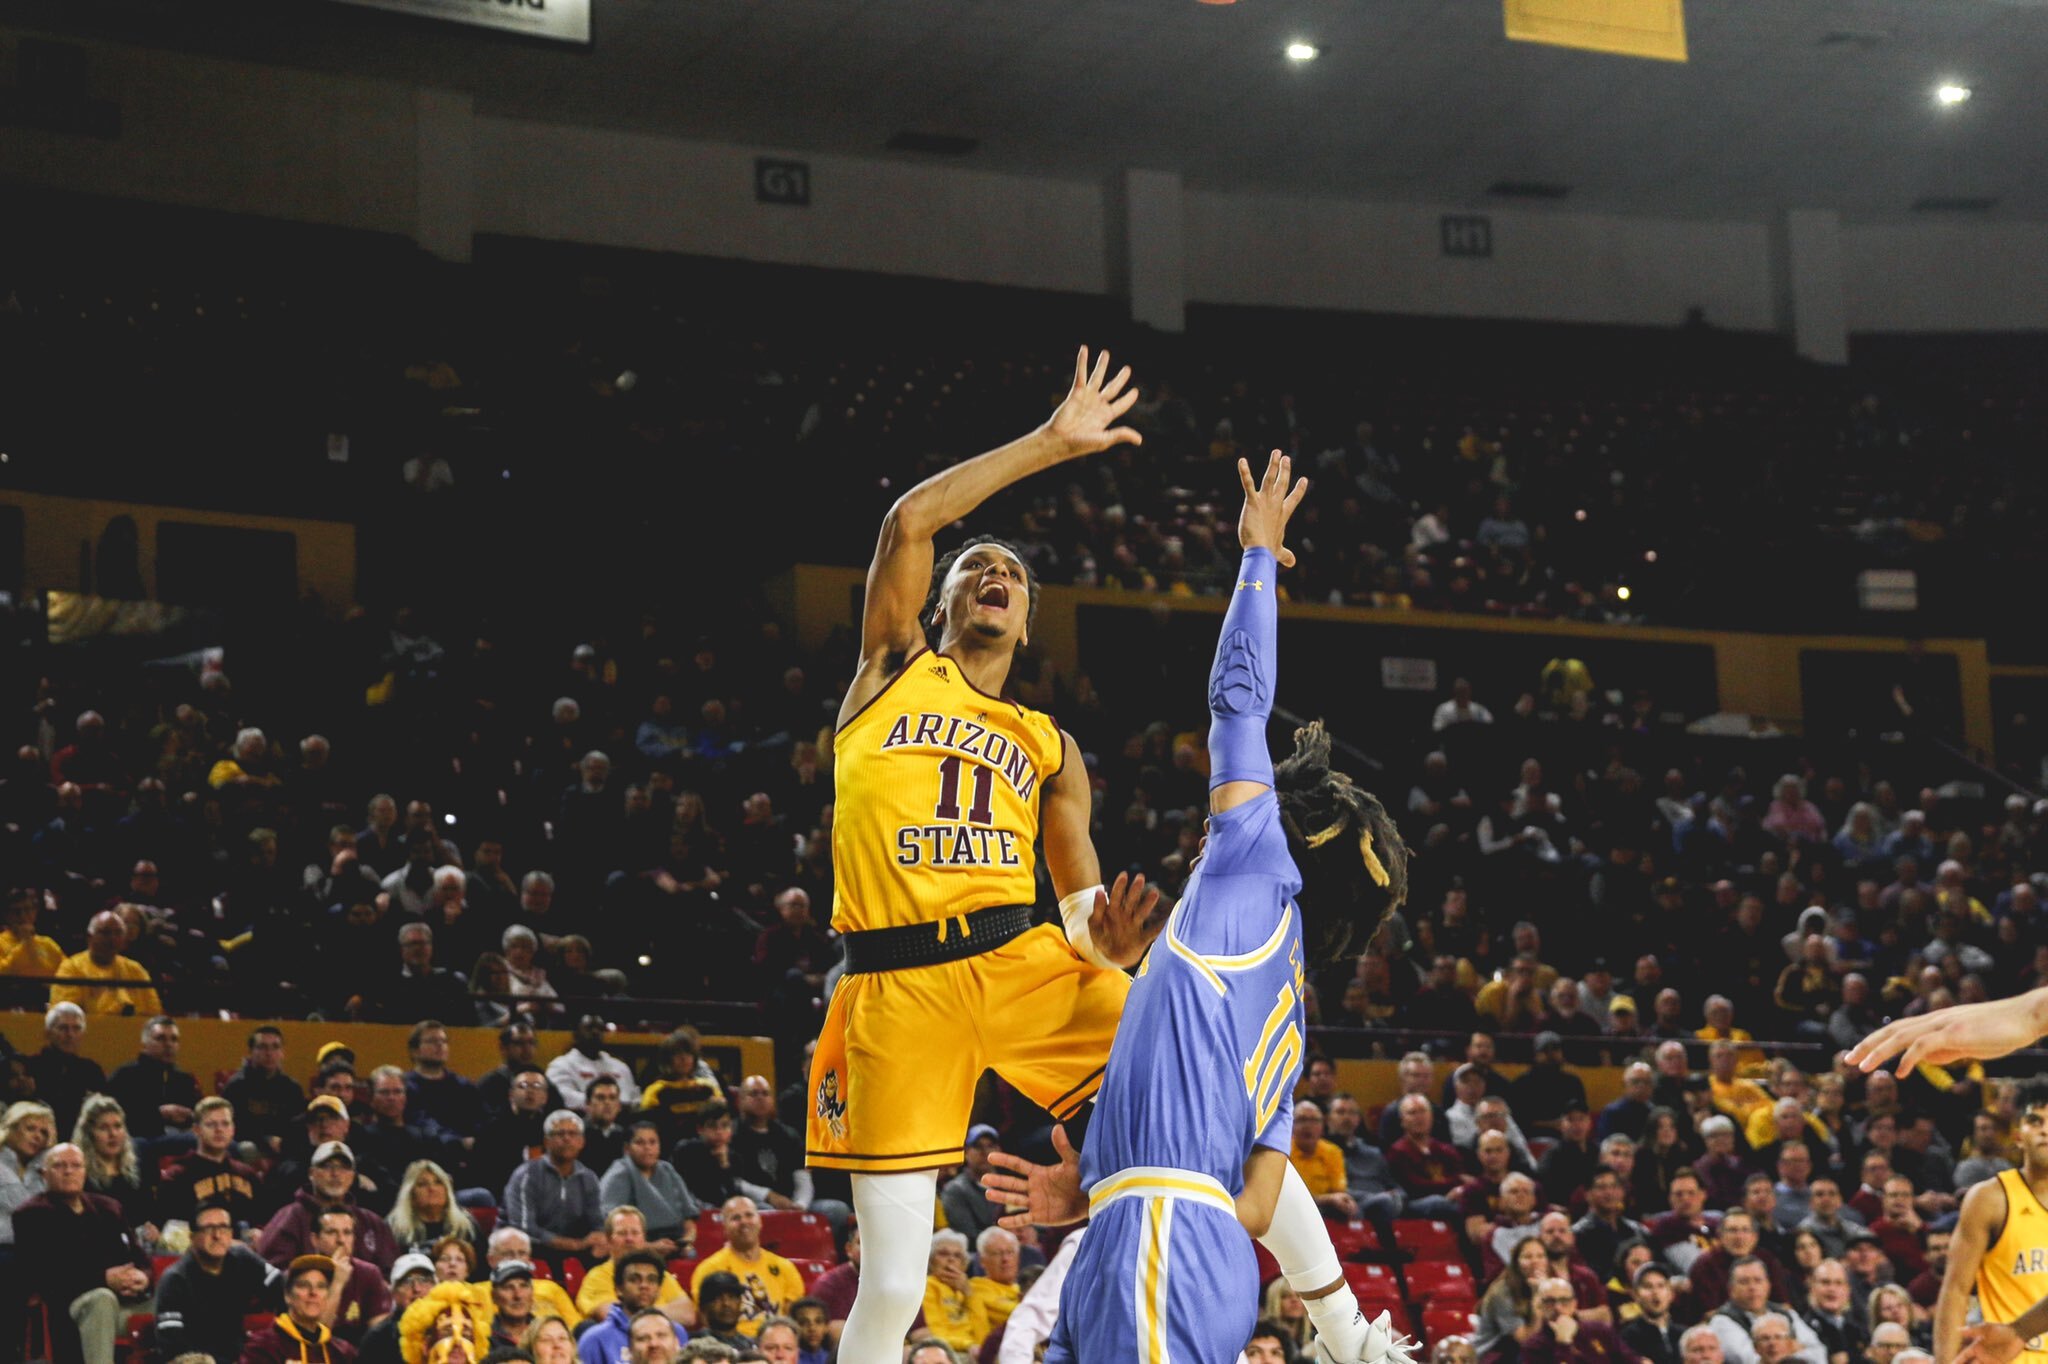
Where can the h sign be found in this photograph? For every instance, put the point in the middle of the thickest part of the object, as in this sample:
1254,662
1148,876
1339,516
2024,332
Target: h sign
1467,235
782,182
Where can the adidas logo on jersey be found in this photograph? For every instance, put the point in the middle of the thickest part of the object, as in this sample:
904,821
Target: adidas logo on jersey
939,671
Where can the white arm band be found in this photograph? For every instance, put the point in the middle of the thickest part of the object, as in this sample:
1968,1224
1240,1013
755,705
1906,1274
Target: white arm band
1075,910
1299,1240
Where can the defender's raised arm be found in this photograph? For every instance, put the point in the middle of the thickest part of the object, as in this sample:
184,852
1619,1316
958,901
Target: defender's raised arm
1241,681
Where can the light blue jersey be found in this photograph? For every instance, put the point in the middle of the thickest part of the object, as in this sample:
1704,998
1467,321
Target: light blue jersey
1210,1046
1203,1070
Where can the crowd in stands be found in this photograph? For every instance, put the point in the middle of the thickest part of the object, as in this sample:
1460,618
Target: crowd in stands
621,820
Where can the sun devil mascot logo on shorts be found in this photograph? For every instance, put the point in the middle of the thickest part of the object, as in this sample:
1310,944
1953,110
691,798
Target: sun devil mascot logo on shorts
831,1107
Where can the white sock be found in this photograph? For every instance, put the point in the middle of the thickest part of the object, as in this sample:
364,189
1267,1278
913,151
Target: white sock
895,1214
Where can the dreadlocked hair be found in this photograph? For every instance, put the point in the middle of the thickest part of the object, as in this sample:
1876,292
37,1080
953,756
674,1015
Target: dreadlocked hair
928,618
1353,862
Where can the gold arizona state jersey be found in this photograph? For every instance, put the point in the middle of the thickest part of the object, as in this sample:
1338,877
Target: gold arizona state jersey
936,803
2014,1272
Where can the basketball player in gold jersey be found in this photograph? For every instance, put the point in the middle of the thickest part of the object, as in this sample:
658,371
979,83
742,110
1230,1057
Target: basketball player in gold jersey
943,788
2000,1250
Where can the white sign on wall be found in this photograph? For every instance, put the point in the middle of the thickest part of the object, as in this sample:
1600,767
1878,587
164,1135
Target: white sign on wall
1408,674
565,21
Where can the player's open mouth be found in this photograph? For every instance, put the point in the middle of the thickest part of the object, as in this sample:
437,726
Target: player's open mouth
993,594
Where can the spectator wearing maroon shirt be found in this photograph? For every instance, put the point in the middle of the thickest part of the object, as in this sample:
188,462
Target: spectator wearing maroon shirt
1868,1200
1479,1196
1565,1337
1926,1286
1736,1239
1900,1230
358,1294
1554,1229
78,1255
1721,1170
1687,1231
1428,1169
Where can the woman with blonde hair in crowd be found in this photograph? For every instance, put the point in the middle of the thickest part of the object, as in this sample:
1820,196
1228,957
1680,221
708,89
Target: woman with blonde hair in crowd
1891,1302
426,1212
1284,1308
112,1168
26,1131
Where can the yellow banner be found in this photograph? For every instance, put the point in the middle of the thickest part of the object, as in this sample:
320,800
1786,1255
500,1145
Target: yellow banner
1633,28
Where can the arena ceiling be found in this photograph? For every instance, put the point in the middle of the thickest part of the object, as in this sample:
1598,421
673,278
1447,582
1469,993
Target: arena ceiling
1785,103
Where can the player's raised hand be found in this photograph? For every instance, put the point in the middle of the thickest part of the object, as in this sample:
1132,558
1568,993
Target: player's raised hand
1087,420
1267,505
1128,916
1980,1032
1991,1343
1040,1195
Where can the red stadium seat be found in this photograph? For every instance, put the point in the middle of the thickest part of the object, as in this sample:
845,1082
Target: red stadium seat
1429,1240
1441,1282
682,1269
797,1235
1372,1282
812,1269
1438,1322
572,1275
541,1270
1349,1238
1269,1268
710,1233
486,1220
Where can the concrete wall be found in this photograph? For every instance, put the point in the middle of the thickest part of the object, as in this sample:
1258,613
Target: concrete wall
381,156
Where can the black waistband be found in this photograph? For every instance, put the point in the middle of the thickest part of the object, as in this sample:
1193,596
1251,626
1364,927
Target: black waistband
908,945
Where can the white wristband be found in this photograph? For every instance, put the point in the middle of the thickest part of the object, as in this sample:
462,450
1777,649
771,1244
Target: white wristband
1075,910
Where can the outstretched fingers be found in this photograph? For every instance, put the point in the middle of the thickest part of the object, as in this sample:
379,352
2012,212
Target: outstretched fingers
1101,368
1244,476
1081,368
1116,385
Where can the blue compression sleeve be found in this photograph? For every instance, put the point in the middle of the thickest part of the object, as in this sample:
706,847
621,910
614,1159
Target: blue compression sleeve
1241,682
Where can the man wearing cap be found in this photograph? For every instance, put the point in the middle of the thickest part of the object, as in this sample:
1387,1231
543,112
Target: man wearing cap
550,1298
76,1253
724,1300
202,1299
330,1183
554,1198
1651,1333
1629,1114
155,1095
769,1282
411,1277
1571,1162
358,1294
1625,1026
638,1278
967,1210
1539,1095
512,1303
298,1335
326,1119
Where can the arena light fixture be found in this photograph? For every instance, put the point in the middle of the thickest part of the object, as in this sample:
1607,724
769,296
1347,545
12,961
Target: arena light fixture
1623,592
1299,51
1951,93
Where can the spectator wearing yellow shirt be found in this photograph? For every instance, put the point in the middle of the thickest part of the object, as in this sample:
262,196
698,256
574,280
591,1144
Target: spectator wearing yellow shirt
625,1228
1720,1015
102,960
768,1283
951,1310
1732,1094
1320,1163
995,1290
24,952
248,767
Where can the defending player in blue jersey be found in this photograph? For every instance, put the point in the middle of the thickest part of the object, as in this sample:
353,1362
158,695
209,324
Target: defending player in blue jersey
1187,1151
